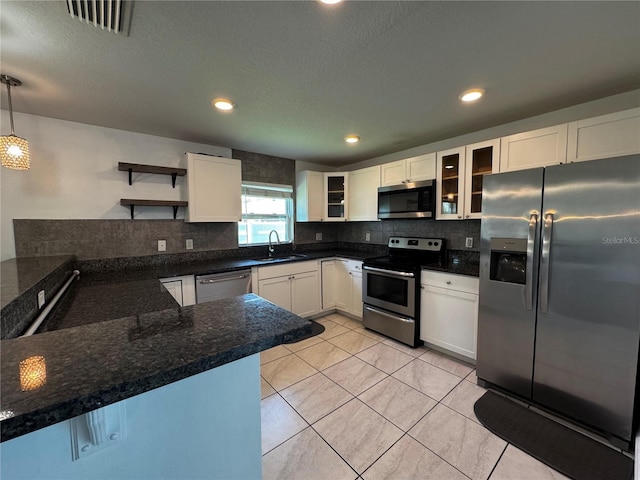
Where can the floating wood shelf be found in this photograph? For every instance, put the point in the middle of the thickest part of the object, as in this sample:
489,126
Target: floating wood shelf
137,167
131,203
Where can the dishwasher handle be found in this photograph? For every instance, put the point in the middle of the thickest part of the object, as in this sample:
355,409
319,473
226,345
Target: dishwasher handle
208,281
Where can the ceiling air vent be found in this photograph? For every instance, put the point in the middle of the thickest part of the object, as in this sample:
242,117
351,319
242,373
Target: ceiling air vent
111,15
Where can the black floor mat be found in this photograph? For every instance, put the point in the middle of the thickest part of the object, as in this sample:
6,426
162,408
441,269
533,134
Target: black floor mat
569,452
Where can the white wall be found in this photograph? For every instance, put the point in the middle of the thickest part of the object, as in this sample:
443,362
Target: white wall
314,167
615,103
203,427
74,173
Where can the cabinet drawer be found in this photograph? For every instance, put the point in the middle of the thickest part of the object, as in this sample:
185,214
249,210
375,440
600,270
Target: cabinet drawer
292,268
451,281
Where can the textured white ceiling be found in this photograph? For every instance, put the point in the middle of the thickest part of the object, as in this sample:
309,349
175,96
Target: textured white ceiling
303,74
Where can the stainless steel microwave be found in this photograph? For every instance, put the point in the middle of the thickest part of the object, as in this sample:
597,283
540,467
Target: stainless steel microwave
409,200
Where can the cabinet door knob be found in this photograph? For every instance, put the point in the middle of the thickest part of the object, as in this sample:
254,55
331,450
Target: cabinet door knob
448,282
466,216
459,216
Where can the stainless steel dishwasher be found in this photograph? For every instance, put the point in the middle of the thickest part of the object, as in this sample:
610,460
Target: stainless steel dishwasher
222,285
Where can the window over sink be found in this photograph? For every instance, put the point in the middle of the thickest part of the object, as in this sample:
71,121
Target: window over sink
265,207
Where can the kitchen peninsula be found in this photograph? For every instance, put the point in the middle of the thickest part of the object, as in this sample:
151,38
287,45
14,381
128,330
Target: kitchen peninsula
188,376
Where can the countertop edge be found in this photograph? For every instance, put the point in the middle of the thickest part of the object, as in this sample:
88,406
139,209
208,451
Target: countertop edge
13,427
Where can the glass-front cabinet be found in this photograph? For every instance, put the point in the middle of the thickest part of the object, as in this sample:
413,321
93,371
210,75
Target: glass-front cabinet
480,162
450,184
336,195
460,175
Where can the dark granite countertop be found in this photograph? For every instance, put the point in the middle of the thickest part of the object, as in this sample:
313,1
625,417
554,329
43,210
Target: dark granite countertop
209,266
21,274
125,335
94,365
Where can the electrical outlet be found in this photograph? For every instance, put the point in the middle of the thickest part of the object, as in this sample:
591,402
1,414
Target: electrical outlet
469,242
162,245
367,237
318,236
41,299
189,244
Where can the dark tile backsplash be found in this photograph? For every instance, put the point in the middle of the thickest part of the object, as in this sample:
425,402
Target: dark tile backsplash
257,167
454,231
95,239
91,239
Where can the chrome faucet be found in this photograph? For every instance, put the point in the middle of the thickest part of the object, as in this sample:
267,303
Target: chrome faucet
271,249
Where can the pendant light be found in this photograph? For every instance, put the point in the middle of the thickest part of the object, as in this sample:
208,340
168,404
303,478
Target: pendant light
14,151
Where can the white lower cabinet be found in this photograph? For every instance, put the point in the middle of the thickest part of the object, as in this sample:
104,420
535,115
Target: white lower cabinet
355,306
328,284
182,288
293,286
342,286
449,312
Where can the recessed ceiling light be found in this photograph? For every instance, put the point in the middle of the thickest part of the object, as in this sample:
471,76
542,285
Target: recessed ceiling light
223,104
330,2
471,95
352,139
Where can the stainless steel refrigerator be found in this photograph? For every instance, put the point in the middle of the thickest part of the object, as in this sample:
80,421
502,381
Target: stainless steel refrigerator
559,317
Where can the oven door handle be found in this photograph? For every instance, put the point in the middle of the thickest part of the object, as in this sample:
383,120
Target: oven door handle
390,273
389,315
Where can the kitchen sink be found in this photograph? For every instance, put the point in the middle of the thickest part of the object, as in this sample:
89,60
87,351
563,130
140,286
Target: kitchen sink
295,256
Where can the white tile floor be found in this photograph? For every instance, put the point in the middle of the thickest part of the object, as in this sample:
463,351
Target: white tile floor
351,404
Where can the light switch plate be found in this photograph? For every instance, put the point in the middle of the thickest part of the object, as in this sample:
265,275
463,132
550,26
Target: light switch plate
469,242
367,237
162,245
189,244
318,236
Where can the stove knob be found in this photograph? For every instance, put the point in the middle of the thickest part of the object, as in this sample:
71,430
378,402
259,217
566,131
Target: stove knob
430,243
435,244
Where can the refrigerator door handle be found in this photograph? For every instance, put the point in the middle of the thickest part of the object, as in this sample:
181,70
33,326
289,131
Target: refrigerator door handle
531,240
544,262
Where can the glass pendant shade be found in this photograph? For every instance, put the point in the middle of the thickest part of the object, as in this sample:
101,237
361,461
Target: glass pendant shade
14,152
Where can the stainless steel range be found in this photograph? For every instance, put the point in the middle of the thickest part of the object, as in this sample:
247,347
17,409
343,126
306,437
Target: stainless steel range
391,287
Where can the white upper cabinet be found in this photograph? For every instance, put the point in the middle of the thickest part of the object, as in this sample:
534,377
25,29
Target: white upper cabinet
215,189
480,159
363,194
450,184
537,148
414,169
460,178
309,196
605,136
336,197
